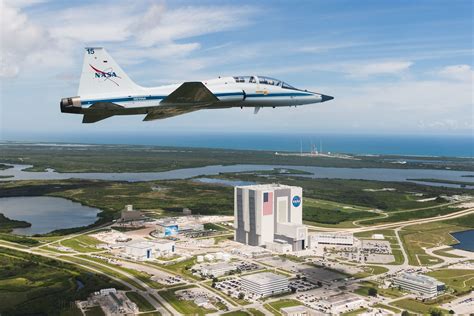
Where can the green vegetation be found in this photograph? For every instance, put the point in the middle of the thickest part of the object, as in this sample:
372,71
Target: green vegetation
239,313
82,243
7,224
95,311
429,235
183,306
366,286
255,312
212,226
275,307
120,158
329,212
412,214
142,303
182,267
369,271
444,181
27,241
355,312
445,252
461,281
31,284
389,308
415,306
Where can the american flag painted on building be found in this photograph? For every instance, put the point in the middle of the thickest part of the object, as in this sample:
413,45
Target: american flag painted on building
268,203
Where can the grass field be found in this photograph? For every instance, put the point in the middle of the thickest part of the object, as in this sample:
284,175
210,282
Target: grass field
389,308
142,303
183,306
255,312
82,243
445,252
31,284
329,212
275,307
460,281
428,235
122,158
369,271
390,292
415,306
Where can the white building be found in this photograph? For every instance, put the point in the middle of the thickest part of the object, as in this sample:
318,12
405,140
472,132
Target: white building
342,303
216,269
269,212
421,284
280,246
265,284
299,310
336,239
147,250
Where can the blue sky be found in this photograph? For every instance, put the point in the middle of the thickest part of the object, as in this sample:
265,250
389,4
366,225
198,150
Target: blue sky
394,67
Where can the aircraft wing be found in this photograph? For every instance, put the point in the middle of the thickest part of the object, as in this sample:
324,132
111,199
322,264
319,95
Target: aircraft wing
163,112
190,93
189,97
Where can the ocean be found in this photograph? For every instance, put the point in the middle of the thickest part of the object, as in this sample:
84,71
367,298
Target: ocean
432,145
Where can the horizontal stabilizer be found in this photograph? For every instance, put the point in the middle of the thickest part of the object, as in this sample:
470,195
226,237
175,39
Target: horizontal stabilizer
190,92
92,118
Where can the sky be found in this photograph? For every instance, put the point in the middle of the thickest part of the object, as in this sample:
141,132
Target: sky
394,67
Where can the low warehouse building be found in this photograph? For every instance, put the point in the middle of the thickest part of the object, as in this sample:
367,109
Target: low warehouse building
147,250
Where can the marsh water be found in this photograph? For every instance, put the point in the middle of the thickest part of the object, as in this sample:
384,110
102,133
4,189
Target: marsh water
46,214
380,174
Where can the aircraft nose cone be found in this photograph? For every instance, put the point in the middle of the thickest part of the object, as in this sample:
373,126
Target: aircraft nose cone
325,98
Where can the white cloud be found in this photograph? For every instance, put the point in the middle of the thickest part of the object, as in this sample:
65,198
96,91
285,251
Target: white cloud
376,68
457,72
160,25
19,37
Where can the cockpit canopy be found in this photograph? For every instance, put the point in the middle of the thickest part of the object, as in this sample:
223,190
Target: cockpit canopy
263,80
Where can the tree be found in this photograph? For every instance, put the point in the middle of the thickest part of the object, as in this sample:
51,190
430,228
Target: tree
241,295
372,291
214,279
435,312
405,313
452,312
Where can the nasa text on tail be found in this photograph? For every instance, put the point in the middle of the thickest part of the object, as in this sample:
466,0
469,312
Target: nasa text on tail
105,90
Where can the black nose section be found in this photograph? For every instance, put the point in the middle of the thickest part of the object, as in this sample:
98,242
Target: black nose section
325,98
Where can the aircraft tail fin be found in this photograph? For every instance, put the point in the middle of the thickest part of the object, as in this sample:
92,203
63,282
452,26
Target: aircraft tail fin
102,75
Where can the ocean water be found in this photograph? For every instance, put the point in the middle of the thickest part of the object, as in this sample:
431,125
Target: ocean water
419,145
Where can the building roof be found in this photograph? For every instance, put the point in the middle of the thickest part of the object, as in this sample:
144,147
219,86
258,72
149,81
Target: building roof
269,186
294,309
264,278
419,279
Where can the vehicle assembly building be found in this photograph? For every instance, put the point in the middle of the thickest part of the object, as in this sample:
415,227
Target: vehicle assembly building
269,215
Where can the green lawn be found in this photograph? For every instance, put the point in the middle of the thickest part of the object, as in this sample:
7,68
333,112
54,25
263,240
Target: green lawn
459,280
183,306
428,235
415,306
389,308
255,312
275,307
390,292
95,311
369,271
82,243
445,252
142,303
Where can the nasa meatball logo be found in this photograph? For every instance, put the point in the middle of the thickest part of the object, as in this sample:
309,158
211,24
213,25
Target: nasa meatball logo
296,201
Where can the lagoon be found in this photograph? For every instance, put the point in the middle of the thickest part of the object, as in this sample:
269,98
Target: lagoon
46,214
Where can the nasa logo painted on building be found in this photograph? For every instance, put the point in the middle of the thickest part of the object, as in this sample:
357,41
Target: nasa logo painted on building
296,201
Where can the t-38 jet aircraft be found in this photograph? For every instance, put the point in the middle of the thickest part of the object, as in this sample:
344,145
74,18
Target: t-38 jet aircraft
105,90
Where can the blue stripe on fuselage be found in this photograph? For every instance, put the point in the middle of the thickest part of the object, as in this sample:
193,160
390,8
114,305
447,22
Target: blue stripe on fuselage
159,97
